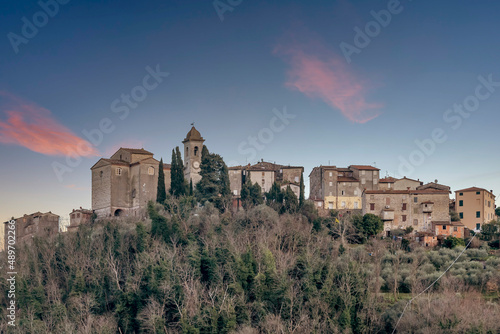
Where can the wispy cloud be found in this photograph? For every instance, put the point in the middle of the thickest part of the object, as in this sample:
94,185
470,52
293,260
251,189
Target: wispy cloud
33,127
323,74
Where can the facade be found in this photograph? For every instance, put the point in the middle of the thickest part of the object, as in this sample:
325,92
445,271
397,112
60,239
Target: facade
123,184
193,145
406,183
335,188
78,217
448,229
404,208
264,174
37,224
475,206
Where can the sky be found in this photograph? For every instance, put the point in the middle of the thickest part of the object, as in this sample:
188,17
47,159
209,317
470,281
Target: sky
412,87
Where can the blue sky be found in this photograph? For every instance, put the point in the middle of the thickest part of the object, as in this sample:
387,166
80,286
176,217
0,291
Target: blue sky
229,75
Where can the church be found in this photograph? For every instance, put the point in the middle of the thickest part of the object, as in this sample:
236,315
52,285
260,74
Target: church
123,184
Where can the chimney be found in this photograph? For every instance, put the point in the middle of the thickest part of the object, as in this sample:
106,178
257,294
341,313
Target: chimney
435,181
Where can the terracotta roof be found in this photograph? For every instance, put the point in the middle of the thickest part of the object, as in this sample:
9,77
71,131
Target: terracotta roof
193,134
236,168
433,185
407,178
448,223
136,150
343,170
346,179
428,202
387,180
364,167
472,189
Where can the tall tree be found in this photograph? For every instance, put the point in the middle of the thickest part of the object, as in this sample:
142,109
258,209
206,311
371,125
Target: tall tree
177,184
214,183
301,195
161,194
274,198
251,195
291,204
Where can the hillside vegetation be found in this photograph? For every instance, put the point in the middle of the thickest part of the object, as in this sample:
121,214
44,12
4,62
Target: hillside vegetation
197,270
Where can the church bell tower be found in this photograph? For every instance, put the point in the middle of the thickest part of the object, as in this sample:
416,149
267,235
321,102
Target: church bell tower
193,145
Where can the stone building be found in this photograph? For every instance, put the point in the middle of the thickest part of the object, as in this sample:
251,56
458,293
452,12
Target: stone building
448,229
123,184
264,174
404,208
37,224
335,188
78,217
475,206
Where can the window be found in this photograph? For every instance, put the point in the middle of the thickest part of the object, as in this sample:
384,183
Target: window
343,204
478,192
415,210
461,214
263,174
455,229
355,205
343,192
296,179
330,205
195,150
372,206
375,181
444,227
235,192
330,183
460,194
363,181
478,214
403,218
404,207
478,226
133,193
319,203
118,171
461,203
331,174
415,199
355,192
100,174
151,171
362,172
489,204
415,222
387,201
389,185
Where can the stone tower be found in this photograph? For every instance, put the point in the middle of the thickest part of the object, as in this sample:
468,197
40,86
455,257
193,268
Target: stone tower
193,144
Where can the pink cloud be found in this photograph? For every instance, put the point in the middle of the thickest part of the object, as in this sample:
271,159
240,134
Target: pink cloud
34,127
325,75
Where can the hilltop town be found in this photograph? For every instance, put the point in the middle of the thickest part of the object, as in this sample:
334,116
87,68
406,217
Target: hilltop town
123,184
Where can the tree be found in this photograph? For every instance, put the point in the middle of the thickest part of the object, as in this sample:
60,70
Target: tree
497,211
161,194
177,184
454,216
290,201
369,225
274,198
490,231
251,195
301,195
214,184
452,242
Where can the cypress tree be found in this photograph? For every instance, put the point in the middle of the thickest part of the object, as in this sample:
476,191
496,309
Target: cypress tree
301,195
178,184
173,171
161,194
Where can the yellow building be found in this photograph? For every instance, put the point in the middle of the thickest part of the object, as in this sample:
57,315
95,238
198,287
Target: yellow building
475,206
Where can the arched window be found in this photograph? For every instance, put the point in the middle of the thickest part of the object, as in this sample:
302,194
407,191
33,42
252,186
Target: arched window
195,150
151,171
